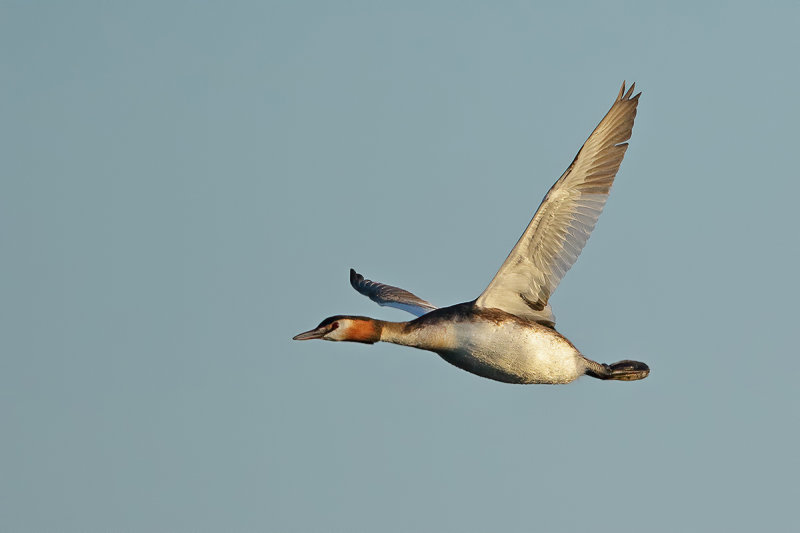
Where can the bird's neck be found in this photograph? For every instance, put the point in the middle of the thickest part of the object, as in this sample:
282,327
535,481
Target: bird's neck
395,332
370,330
425,337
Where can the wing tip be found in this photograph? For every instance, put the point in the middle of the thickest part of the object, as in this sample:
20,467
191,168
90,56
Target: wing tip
355,278
626,95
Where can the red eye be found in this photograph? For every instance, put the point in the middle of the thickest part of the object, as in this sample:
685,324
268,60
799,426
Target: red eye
334,326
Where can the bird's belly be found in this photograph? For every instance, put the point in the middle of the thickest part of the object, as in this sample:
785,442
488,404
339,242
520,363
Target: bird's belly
512,353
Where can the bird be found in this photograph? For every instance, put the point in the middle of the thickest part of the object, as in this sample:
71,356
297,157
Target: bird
508,333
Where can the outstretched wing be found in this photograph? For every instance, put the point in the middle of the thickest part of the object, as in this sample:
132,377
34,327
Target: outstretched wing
390,296
561,226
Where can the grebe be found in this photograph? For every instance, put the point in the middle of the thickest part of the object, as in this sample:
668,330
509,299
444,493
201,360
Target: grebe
508,333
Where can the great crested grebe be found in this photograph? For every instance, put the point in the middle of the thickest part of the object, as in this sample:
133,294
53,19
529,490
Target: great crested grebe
507,333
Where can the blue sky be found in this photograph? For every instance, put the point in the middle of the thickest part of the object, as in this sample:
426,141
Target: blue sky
185,187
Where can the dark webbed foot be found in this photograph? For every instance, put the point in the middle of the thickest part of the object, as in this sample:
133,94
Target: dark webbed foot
622,370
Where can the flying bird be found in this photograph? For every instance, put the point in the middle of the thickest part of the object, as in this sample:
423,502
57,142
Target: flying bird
508,333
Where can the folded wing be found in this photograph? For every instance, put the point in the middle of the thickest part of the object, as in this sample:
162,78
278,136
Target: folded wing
566,217
389,296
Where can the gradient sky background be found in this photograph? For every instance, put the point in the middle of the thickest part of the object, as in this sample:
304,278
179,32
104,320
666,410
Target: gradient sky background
185,186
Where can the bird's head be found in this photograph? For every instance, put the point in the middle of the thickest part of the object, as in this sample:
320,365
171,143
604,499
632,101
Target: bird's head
344,328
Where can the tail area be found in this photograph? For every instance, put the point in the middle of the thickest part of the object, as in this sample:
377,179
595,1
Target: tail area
621,371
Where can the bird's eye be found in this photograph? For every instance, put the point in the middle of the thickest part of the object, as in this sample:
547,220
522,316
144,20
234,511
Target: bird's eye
334,326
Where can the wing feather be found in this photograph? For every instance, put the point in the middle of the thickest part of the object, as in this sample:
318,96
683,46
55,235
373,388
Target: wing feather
390,296
566,217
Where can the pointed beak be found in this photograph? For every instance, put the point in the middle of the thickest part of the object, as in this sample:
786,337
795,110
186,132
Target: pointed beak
317,333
